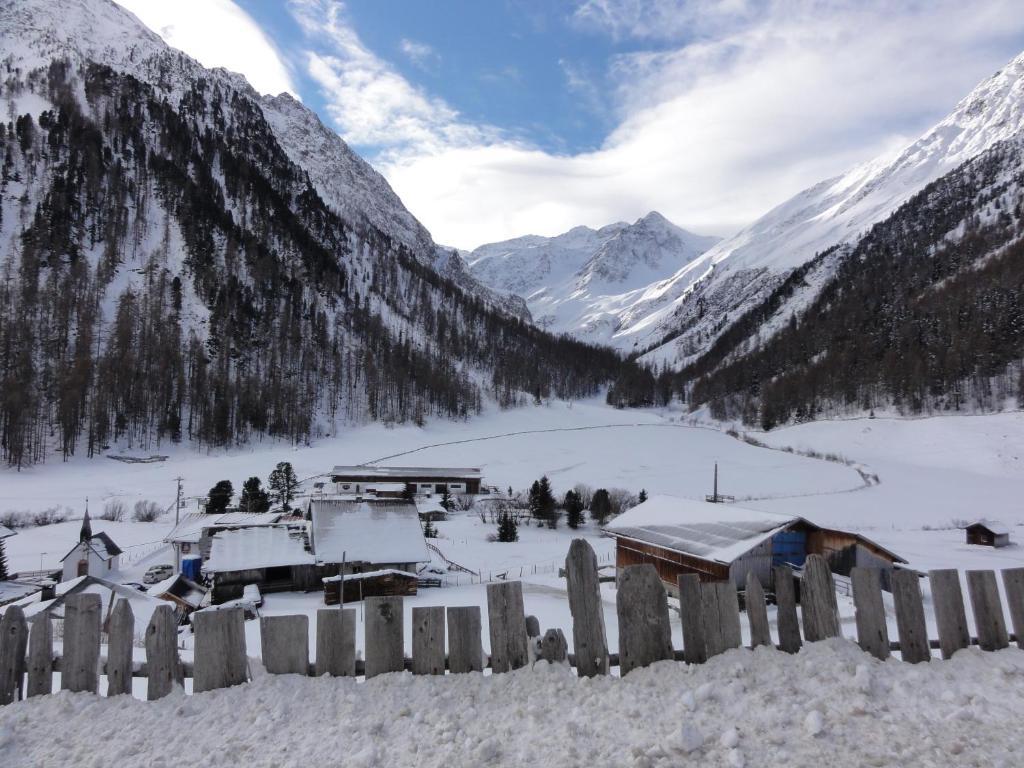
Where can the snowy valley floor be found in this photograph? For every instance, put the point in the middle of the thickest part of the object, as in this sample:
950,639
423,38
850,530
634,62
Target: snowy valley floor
829,705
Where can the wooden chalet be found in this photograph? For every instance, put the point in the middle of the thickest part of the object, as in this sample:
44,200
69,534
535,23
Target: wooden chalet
988,533
723,542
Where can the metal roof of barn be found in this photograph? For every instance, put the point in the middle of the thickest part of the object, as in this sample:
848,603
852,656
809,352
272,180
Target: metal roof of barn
385,473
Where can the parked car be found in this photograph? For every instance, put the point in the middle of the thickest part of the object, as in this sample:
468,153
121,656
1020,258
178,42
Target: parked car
157,573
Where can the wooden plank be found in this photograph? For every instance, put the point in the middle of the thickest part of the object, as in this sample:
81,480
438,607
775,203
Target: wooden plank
910,623
80,664
464,651
713,642
384,635
642,607
220,657
786,621
589,638
507,624
284,641
40,656
1013,583
121,640
987,609
553,647
818,602
428,641
950,616
691,614
757,613
336,642
163,665
13,639
729,614
872,629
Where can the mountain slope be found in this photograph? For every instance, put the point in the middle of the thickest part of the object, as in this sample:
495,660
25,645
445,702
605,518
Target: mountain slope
586,282
169,272
925,312
682,318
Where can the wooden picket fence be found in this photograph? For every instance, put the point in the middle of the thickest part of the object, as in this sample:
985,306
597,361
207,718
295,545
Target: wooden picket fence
709,613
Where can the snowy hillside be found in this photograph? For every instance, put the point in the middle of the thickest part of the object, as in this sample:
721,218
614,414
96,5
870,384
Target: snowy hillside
587,282
703,297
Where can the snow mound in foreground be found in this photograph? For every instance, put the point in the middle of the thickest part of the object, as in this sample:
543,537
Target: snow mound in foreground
831,704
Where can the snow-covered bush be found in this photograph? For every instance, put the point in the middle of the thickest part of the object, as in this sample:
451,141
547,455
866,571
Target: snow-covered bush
114,510
146,511
26,518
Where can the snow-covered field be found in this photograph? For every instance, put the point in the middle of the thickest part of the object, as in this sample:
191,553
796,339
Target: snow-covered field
830,705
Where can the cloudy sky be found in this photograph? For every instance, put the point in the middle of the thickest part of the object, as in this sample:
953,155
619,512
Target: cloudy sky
498,118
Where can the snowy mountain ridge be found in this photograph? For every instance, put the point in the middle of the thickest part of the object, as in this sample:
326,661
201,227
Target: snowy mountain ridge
585,281
681,318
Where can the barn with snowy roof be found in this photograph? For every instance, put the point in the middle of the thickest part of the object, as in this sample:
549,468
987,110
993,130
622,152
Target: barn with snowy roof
366,534
723,542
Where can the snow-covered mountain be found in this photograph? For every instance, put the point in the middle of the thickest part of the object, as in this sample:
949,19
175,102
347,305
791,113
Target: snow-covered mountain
587,282
679,318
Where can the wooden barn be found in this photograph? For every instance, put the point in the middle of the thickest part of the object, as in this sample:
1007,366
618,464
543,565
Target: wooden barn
988,533
275,558
369,584
393,481
723,542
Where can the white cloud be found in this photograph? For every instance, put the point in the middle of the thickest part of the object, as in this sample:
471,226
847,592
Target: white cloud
736,107
420,54
217,33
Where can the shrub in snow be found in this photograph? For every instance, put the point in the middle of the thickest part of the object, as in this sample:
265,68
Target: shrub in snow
146,511
114,510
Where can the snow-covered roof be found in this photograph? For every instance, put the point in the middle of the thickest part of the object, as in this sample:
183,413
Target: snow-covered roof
190,528
15,590
995,526
178,586
142,604
370,575
5,532
717,532
385,473
99,543
368,530
261,547
425,505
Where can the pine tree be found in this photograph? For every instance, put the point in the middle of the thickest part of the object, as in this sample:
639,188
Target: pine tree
219,497
573,509
283,483
642,497
253,498
542,503
508,528
600,506
447,501
3,562
429,530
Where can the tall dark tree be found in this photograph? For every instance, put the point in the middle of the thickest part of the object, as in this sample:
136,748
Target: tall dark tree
253,498
600,506
642,497
573,507
283,484
508,526
542,502
219,497
4,575
447,501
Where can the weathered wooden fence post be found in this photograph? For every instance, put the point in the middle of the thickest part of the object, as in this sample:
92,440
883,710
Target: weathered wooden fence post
163,666
220,656
40,656
589,639
786,620
757,613
284,641
13,639
691,614
336,642
721,616
120,641
464,651
950,616
872,629
79,667
642,606
988,610
384,639
507,624
910,623
1013,583
428,641
818,601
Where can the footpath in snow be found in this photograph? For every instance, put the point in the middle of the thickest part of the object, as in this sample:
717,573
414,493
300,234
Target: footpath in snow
831,704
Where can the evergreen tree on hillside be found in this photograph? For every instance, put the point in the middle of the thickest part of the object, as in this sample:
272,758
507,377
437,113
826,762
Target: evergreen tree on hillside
3,562
542,502
219,497
508,528
253,498
642,497
600,506
283,483
573,506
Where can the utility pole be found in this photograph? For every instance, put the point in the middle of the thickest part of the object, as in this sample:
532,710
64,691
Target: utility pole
715,499
177,513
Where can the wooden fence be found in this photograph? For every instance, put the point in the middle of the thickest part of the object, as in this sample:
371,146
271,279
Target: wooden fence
709,613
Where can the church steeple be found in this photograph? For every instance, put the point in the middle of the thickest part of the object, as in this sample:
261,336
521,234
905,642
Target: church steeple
86,532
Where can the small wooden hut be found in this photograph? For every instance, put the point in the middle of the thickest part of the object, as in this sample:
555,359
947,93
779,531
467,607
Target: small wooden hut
988,533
